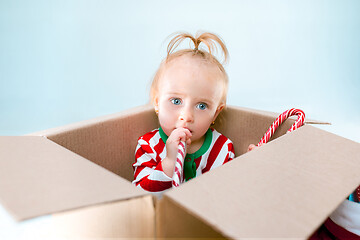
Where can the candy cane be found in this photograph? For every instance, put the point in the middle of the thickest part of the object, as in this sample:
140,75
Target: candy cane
282,117
179,165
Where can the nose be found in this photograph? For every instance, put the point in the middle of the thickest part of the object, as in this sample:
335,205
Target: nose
186,115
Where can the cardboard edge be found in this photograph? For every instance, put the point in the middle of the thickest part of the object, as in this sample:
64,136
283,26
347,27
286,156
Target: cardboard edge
183,216
315,226
316,122
140,192
138,220
275,114
136,193
148,107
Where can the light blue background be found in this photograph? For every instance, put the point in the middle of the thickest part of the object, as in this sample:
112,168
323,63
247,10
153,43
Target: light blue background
69,60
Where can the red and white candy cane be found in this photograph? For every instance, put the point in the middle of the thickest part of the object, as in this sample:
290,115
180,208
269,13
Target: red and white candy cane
282,117
178,176
298,123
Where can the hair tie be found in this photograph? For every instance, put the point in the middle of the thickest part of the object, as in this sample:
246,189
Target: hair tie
195,49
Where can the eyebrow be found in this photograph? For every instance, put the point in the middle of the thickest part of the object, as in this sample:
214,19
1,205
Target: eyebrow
174,93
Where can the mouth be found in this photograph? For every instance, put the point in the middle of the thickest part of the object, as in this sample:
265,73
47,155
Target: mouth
189,130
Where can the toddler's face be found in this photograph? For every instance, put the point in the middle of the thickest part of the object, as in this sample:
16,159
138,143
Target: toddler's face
188,96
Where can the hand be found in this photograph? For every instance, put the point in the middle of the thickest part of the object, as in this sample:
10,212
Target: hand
172,144
251,147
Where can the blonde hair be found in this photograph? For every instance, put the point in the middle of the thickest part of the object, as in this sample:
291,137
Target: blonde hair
210,40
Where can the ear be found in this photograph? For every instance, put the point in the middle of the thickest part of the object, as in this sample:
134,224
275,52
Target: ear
218,110
156,103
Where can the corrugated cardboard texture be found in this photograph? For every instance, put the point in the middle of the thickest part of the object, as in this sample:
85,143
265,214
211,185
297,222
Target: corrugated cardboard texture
172,220
39,177
245,126
286,188
108,141
240,199
134,218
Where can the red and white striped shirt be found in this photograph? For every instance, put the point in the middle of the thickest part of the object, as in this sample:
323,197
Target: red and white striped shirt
148,173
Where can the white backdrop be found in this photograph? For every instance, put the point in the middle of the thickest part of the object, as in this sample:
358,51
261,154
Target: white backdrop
67,61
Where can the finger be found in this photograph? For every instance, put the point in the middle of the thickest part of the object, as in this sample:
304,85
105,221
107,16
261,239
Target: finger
251,147
183,137
188,135
184,133
187,131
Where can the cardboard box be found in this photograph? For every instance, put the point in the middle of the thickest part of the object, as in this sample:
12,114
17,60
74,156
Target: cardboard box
79,176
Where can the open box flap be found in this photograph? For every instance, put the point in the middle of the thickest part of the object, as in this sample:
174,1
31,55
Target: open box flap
286,188
275,114
38,177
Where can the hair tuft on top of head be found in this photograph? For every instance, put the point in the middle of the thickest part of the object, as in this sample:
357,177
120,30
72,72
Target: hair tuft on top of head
209,39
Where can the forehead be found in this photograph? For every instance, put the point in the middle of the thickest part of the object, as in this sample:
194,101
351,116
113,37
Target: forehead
191,75
190,67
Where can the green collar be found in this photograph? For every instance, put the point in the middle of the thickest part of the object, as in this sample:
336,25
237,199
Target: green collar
198,153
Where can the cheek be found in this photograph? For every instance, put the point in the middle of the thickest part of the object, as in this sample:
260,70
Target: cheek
165,109
205,119
167,116
166,123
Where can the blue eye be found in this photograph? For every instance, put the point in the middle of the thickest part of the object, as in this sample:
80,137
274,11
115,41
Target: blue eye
176,101
202,106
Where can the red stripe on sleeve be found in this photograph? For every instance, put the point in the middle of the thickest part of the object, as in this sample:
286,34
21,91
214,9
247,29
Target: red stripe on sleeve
230,149
331,231
159,148
159,166
153,164
150,164
215,152
149,135
154,186
142,150
137,171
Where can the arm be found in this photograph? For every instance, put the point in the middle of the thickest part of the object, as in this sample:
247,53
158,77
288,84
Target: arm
148,171
152,172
